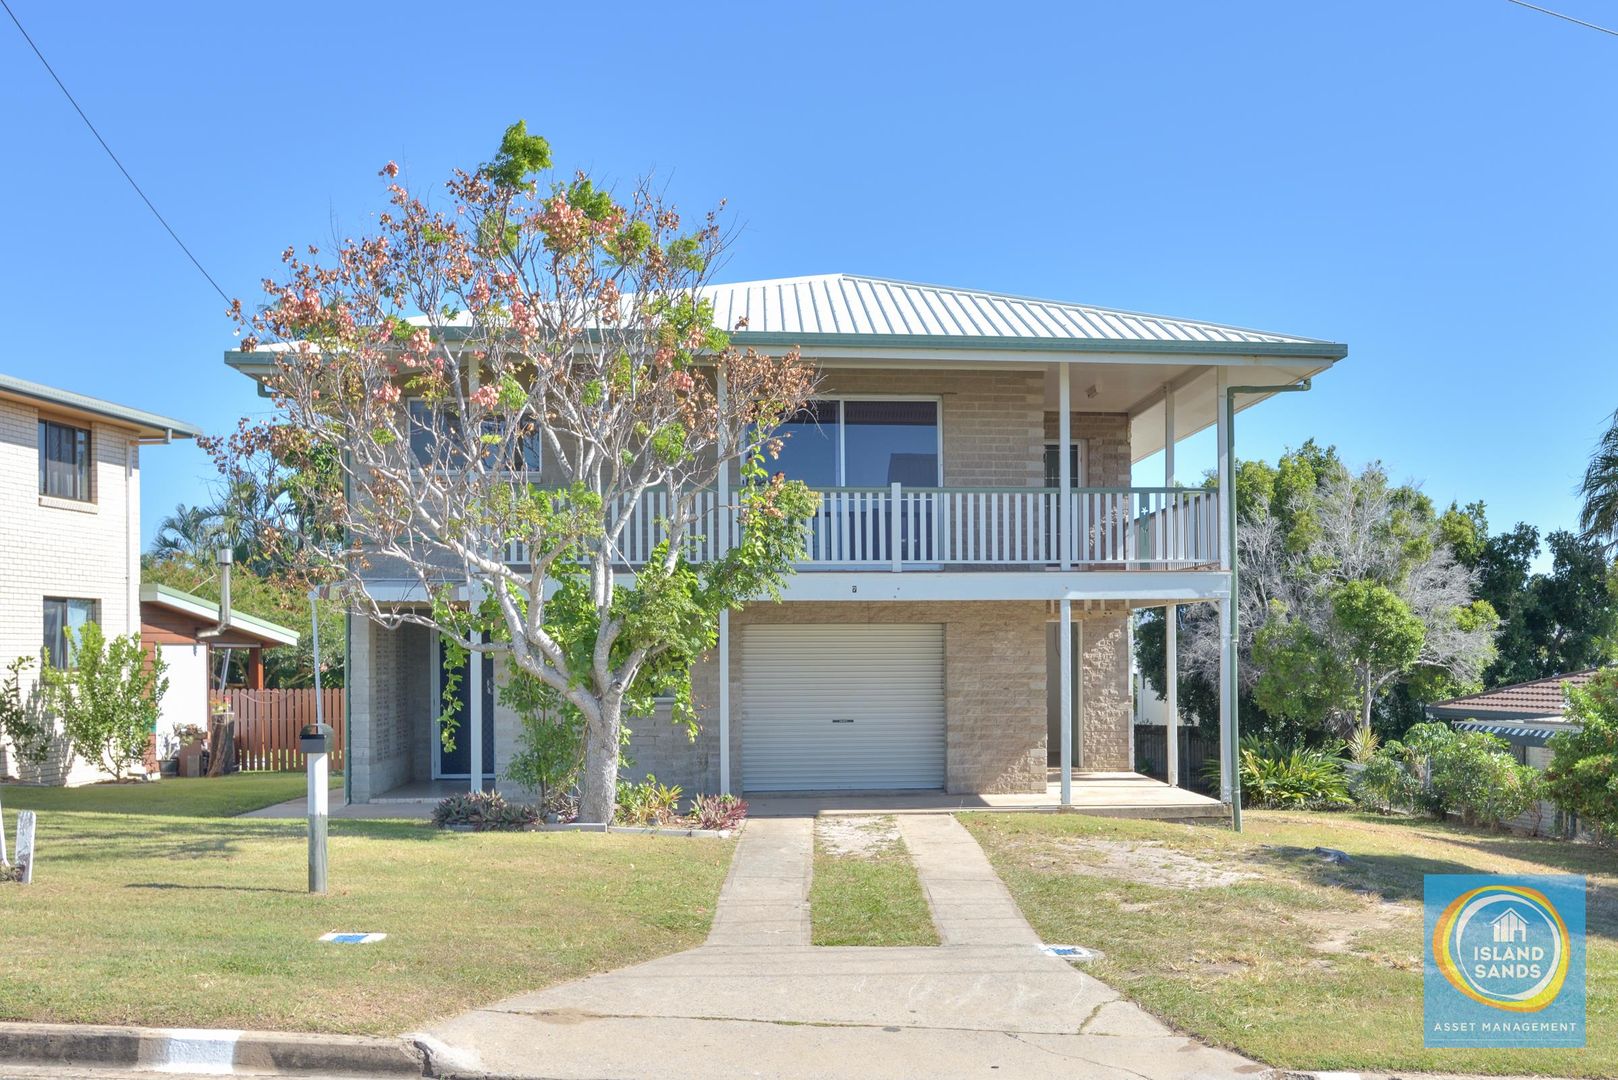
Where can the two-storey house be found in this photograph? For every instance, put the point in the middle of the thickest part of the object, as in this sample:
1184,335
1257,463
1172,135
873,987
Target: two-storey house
960,619
69,533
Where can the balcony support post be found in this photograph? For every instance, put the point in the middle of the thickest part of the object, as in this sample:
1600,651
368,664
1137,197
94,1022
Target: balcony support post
1064,465
895,524
724,702
1065,652
722,512
1227,608
1171,612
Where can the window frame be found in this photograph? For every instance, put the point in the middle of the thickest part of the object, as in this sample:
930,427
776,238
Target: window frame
67,662
84,471
842,400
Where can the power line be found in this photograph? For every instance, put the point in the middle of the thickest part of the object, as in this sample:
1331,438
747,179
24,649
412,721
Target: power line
161,220
1533,7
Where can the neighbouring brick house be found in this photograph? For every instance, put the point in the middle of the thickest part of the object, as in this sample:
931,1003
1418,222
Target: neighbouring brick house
974,455
1524,716
69,532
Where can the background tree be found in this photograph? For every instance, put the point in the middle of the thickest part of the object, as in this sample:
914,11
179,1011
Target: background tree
1337,571
420,371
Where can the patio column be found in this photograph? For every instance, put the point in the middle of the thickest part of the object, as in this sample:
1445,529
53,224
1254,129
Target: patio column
722,514
724,524
474,711
1064,648
1171,618
1064,465
1227,544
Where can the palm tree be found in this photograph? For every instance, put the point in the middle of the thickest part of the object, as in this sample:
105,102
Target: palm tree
1599,518
192,531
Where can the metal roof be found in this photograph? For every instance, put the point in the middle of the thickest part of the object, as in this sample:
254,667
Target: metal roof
147,422
178,600
857,306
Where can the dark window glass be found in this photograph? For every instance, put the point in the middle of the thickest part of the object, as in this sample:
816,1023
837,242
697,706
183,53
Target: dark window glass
64,621
1053,465
809,445
64,461
887,442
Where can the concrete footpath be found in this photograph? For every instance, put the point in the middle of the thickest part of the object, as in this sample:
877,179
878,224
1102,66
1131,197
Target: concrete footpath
757,1000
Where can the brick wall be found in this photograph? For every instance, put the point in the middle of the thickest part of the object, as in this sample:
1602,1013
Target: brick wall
51,547
390,707
1104,669
1106,445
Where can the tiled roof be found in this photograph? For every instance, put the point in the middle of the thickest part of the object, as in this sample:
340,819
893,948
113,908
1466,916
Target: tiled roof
1540,697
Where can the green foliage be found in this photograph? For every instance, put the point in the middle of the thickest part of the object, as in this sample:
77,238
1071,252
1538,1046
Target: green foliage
1583,775
484,811
550,748
22,721
1288,777
519,157
648,802
108,701
1440,771
1304,680
1550,623
1380,631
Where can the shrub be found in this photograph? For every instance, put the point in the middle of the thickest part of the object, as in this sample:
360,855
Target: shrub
108,700
1291,777
1440,771
550,749
647,803
484,811
1583,774
718,812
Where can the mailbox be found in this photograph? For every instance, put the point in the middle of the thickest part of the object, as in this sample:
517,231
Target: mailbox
315,738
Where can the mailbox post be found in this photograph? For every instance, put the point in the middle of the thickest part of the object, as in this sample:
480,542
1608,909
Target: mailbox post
315,742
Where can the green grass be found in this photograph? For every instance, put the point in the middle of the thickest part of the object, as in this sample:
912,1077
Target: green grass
1305,964
872,898
220,796
154,918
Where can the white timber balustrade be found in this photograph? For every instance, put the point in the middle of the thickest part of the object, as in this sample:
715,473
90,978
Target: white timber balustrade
896,527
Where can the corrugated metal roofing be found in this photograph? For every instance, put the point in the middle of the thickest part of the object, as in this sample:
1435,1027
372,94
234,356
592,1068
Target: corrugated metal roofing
1539,697
140,418
852,304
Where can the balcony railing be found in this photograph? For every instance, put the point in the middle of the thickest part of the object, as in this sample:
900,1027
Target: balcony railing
897,528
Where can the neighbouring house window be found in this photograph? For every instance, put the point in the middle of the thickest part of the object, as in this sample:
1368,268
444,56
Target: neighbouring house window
64,461
861,443
64,621
1520,753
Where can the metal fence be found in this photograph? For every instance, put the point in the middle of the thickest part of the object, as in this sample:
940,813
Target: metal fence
1196,751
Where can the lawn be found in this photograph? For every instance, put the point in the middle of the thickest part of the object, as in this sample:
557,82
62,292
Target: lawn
1255,942
173,797
141,915
866,890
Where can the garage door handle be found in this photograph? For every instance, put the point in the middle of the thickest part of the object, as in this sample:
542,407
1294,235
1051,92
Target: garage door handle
843,720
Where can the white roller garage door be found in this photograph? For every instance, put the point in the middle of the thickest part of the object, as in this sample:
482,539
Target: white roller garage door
842,707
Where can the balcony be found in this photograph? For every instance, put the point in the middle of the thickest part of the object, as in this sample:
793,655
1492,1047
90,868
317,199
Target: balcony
900,528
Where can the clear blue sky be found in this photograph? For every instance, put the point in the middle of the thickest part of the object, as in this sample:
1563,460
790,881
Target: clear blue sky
1431,182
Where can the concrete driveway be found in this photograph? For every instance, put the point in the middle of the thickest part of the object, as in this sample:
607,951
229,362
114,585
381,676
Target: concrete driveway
757,1000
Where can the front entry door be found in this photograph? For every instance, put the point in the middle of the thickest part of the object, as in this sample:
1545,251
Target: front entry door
456,763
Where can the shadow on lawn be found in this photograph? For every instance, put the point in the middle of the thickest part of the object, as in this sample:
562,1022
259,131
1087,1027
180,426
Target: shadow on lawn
1393,877
165,886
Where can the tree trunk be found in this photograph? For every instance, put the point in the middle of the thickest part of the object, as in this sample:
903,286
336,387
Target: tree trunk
598,784
1365,711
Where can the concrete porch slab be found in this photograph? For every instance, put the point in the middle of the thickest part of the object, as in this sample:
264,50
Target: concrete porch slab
1121,794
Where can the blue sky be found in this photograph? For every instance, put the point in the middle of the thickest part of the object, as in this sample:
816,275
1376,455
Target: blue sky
1430,182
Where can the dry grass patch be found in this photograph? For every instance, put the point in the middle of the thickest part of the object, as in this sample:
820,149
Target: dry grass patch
1261,943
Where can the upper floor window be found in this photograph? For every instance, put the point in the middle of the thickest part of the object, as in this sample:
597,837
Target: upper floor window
64,620
429,424
849,442
64,461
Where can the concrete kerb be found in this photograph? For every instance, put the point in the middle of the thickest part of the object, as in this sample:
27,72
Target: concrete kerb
207,1050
